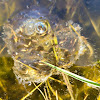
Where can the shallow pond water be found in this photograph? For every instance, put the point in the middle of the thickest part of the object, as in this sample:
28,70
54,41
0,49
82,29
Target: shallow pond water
86,13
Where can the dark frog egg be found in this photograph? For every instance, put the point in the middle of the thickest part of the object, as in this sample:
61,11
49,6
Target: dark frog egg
34,35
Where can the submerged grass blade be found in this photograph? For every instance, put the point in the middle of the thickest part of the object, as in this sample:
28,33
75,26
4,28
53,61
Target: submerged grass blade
91,20
82,79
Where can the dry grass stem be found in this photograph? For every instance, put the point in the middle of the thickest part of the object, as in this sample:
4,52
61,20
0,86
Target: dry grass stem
31,91
3,48
56,95
46,96
40,92
57,80
48,91
84,40
68,85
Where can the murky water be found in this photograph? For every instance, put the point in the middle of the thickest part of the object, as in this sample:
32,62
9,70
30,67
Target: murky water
87,14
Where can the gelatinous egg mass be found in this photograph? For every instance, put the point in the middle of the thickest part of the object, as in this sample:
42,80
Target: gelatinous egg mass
34,35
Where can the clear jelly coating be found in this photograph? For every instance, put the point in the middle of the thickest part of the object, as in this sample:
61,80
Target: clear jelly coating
33,35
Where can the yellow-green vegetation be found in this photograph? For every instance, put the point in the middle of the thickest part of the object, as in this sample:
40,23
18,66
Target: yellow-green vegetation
9,85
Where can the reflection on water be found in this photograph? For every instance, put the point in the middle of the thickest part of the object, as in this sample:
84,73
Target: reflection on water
87,14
